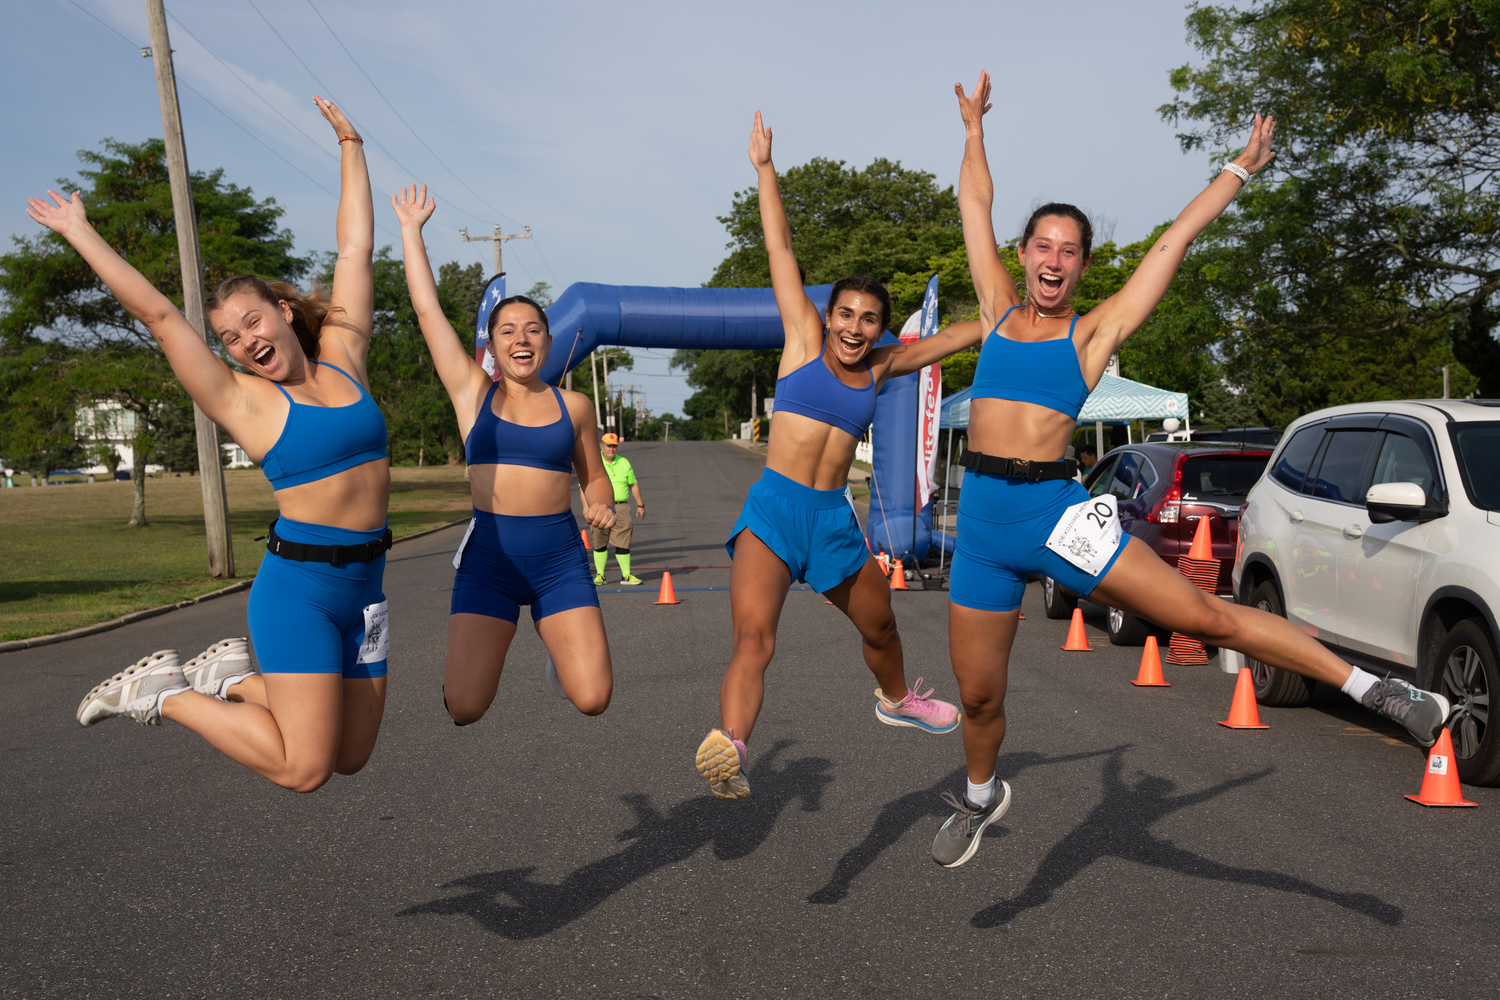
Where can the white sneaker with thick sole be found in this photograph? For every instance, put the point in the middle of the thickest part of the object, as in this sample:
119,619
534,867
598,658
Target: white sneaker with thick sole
137,691
220,666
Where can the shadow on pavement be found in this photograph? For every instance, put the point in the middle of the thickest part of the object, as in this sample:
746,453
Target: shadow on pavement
736,829
901,815
1117,827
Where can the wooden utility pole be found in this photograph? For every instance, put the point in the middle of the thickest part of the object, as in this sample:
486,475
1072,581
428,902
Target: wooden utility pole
499,240
210,461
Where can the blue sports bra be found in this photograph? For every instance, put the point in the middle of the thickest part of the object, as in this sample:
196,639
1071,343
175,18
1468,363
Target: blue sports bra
814,391
493,441
322,441
1044,372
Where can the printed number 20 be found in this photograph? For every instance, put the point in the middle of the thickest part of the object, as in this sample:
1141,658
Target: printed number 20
1099,512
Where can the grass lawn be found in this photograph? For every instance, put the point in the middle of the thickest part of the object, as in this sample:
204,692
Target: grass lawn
68,560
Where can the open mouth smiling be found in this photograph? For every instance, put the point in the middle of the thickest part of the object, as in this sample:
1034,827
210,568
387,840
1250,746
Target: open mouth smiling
264,356
1050,282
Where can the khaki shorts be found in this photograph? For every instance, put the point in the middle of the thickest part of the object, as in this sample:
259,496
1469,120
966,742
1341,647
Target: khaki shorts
619,535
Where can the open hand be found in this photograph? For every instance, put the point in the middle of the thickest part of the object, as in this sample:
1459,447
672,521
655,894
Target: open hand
59,217
341,125
1258,151
760,144
974,107
600,516
413,207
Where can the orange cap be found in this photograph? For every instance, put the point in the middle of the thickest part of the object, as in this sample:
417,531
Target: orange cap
610,439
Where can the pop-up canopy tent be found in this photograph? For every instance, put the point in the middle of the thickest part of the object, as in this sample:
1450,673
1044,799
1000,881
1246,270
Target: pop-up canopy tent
1115,400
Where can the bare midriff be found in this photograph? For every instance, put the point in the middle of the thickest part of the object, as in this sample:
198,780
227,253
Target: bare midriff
1008,428
357,498
520,490
809,451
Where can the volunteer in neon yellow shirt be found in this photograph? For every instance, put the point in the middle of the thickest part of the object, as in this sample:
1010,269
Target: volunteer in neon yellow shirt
622,477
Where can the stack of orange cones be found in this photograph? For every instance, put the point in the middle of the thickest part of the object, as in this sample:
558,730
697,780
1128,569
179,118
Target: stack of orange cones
1078,640
668,595
898,576
1200,567
1243,713
1440,781
1150,673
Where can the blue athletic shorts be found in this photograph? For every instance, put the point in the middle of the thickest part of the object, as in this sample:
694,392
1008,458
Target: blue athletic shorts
1003,527
508,561
813,531
309,617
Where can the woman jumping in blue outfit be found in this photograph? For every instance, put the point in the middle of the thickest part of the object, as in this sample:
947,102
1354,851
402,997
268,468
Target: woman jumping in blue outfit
301,408
523,439
1021,512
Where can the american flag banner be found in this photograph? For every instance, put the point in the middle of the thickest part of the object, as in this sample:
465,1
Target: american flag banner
493,293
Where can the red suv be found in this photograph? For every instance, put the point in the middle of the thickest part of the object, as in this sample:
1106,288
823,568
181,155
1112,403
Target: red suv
1163,489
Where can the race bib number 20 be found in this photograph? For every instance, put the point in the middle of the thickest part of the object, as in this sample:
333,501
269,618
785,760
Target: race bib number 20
376,646
1088,534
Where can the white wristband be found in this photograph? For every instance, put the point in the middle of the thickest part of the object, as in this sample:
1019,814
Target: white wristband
1238,171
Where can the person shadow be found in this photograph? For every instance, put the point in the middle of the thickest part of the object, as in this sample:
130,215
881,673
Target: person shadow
1119,827
514,905
900,815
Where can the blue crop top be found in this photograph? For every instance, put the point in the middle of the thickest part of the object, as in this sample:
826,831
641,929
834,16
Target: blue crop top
493,441
322,441
814,391
1044,372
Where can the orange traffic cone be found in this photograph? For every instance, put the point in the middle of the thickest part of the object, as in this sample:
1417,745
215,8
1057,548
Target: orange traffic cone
1150,673
1243,713
1078,641
898,576
884,561
585,534
1186,650
667,595
1203,544
1440,782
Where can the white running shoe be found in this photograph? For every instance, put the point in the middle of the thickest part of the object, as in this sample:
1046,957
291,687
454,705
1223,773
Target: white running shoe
136,691
553,681
220,666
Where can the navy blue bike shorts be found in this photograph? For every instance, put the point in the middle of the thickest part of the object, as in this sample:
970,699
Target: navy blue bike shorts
506,561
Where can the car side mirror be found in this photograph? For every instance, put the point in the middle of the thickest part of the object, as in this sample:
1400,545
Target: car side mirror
1387,502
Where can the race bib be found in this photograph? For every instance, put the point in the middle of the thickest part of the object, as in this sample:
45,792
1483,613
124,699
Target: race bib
458,557
377,645
1088,534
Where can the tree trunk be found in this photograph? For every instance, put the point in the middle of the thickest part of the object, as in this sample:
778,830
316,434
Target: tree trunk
138,486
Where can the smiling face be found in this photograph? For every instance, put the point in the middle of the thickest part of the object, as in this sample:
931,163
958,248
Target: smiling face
854,325
258,335
1054,261
519,342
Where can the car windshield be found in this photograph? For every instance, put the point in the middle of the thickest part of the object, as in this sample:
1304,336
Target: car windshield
1221,475
1477,446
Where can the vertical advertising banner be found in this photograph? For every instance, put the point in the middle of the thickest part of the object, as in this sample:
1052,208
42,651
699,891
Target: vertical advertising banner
930,403
493,293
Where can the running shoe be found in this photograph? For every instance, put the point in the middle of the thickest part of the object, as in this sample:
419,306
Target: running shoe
958,839
1421,712
553,681
136,691
722,759
219,667
920,711
631,581
598,579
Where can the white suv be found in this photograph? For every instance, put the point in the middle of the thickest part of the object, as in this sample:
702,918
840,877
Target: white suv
1376,528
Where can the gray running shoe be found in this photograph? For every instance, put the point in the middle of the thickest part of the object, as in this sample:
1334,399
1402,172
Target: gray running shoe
220,666
553,681
1421,712
135,691
958,839
721,759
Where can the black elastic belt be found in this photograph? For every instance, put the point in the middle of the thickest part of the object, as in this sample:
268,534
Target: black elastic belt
338,555
1018,468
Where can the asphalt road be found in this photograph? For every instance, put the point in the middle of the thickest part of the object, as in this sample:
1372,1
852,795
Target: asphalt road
1148,851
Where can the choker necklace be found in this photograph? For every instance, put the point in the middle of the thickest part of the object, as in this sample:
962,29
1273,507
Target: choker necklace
1042,315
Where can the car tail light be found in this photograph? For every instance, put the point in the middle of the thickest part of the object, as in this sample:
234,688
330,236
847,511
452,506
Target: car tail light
1169,508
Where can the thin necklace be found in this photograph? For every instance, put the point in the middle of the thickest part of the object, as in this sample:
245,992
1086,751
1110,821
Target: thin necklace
1043,315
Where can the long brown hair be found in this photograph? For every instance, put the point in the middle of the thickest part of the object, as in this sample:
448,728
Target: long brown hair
309,309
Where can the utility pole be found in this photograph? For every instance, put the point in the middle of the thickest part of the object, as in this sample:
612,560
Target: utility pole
498,239
594,378
608,399
210,461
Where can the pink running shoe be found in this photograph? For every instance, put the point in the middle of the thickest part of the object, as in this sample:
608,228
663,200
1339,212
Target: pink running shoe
722,759
920,711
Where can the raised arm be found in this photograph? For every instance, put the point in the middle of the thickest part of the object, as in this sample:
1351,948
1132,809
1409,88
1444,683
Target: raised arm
352,298
903,359
800,320
993,284
461,376
1120,315
207,379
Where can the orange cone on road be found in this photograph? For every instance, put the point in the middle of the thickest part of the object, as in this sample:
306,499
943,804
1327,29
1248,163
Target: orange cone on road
884,561
1150,673
1078,641
898,576
667,595
1203,543
585,534
1440,780
1243,713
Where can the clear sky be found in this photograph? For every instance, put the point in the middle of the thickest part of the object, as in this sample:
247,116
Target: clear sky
616,131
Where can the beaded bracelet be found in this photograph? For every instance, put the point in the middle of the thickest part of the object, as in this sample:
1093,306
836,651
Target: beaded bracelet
351,138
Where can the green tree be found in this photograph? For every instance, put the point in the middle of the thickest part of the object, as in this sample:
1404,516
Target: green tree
38,409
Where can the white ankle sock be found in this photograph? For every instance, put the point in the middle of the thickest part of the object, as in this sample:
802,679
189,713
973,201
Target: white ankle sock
980,795
1358,683
167,694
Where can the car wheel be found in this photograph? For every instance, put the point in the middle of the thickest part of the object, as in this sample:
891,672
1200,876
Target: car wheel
1273,687
1467,676
1057,603
1126,629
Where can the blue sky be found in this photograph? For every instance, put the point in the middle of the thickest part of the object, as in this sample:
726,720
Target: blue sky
617,132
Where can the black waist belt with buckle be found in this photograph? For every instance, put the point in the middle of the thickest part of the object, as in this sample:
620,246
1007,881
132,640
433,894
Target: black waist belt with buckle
1018,468
337,555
